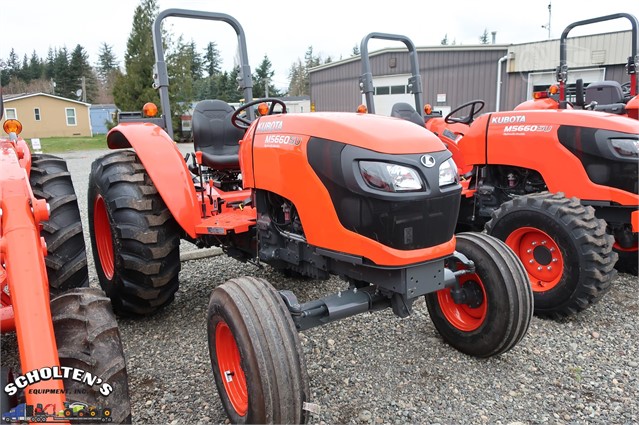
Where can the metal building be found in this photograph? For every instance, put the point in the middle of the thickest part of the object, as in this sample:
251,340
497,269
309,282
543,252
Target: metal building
503,75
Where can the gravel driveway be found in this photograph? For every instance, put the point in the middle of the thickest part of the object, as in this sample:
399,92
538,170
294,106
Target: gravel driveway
376,368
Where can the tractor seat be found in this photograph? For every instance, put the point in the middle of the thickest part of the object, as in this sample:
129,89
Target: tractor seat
215,136
407,112
604,93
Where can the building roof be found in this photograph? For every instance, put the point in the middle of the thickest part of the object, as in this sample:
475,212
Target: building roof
103,106
438,48
11,97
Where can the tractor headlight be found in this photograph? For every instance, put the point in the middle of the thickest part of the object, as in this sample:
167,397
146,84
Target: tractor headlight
626,147
390,177
447,172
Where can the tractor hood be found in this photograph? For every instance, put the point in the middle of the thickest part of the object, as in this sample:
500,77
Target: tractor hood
374,132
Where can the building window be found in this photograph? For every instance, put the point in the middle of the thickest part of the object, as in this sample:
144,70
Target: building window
11,114
36,113
382,90
398,89
70,112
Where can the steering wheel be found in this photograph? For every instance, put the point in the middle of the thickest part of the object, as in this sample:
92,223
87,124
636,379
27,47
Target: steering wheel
475,107
243,123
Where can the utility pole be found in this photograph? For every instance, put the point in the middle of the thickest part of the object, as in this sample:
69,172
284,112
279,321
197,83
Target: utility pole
266,87
84,90
547,26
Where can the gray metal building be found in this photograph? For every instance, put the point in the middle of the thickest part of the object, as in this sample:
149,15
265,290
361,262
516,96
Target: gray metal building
503,75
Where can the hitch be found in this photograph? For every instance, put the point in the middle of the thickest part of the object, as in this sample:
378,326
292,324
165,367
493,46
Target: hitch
333,307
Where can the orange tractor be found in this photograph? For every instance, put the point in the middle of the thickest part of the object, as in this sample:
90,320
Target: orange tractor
604,96
559,187
371,199
65,330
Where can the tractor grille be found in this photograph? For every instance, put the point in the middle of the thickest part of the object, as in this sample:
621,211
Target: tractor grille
402,221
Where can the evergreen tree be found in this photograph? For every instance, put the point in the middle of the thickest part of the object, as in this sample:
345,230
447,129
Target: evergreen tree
182,66
297,80
13,65
36,67
263,78
49,65
483,39
134,88
107,70
23,73
233,92
107,63
356,51
444,41
212,60
83,75
64,83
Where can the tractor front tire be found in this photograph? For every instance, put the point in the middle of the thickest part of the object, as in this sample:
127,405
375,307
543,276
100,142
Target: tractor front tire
66,260
256,354
88,338
564,248
499,316
134,238
628,261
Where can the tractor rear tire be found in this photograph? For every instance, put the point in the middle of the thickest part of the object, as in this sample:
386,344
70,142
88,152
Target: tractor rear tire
88,338
66,260
502,318
134,238
564,248
256,354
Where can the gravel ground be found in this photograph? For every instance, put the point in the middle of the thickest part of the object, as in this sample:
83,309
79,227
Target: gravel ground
376,368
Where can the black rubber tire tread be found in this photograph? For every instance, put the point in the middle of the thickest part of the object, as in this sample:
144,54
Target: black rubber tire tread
66,260
508,294
628,262
146,236
88,338
589,261
270,351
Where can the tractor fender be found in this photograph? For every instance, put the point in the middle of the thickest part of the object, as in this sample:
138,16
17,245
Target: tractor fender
165,166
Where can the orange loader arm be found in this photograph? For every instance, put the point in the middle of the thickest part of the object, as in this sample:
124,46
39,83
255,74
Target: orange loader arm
22,252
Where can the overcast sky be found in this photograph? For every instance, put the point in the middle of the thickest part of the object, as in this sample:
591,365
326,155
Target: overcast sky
283,29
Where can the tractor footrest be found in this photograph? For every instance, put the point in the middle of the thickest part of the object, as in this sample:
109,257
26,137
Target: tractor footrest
230,221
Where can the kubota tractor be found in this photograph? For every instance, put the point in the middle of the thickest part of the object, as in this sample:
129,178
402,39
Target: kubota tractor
371,199
58,320
604,96
559,187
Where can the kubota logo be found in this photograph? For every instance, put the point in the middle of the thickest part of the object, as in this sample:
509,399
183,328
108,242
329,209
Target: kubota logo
269,126
510,119
428,161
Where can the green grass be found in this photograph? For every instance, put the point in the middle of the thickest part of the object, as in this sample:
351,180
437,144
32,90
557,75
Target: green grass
67,144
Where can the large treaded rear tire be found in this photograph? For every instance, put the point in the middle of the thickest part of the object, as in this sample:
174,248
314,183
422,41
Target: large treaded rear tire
256,354
66,260
88,338
134,238
503,317
565,249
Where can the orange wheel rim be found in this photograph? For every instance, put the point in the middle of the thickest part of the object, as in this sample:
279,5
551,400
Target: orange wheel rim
618,247
463,316
103,238
540,256
231,372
